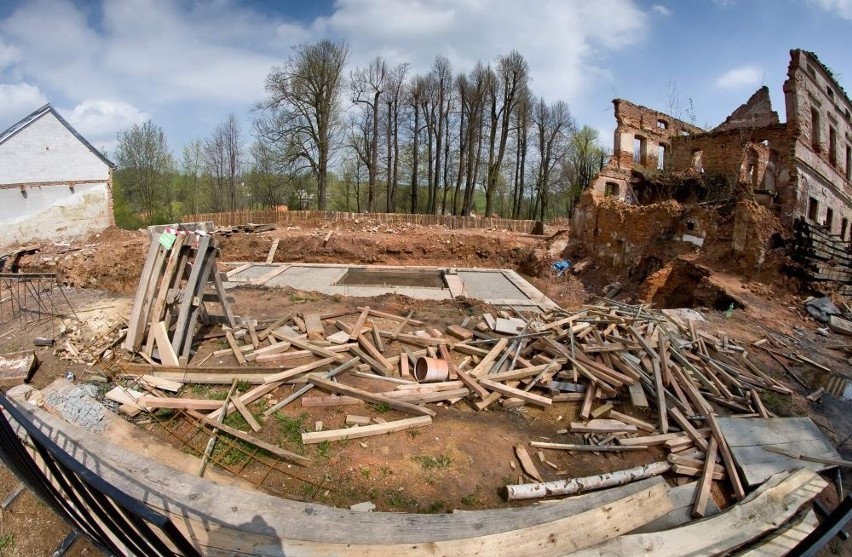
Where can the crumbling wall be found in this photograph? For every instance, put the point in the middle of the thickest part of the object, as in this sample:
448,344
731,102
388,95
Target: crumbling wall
754,113
817,110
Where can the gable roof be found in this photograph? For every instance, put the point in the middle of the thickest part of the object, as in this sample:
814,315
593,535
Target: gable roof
34,116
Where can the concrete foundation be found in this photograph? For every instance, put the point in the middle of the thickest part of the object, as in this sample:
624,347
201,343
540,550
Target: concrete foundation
499,287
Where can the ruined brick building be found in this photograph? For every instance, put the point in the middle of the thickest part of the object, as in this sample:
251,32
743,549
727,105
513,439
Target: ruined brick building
798,168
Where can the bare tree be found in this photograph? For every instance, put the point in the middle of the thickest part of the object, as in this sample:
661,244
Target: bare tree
522,126
396,81
552,128
476,93
300,115
511,77
144,165
441,77
223,160
367,86
416,93
264,180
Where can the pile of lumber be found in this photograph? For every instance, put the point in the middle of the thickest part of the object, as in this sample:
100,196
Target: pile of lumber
170,299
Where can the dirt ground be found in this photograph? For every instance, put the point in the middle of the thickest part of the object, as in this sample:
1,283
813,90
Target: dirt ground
463,459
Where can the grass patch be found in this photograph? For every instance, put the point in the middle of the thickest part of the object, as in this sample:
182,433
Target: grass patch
323,448
396,499
7,542
777,403
381,407
236,420
292,428
243,386
437,507
434,462
472,499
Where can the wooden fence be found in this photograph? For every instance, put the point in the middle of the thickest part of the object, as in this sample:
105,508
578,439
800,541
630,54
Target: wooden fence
282,217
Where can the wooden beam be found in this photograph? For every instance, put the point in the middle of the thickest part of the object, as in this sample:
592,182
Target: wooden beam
179,403
232,342
342,389
506,390
484,366
277,451
314,437
164,347
244,412
699,510
356,328
284,375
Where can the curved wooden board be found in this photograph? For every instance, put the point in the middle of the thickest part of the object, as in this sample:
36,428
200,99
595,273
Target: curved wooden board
230,520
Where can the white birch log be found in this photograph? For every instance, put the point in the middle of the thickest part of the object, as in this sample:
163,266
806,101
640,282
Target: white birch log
588,483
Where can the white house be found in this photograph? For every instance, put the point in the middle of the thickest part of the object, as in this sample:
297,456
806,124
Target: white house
54,185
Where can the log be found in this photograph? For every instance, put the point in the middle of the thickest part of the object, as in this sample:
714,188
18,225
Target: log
588,483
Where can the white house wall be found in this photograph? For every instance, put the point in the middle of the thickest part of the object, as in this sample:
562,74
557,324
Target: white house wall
52,187
53,213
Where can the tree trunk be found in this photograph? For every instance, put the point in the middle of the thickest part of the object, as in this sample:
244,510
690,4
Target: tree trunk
415,156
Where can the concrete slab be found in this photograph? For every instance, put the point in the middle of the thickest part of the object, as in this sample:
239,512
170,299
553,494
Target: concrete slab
500,287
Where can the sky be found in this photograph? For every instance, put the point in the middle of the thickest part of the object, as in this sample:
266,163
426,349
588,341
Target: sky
186,64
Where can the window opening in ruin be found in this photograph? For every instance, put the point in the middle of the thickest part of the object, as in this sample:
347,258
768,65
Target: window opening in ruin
815,138
813,209
829,216
662,124
832,146
844,224
751,172
698,160
829,92
848,162
611,189
690,225
640,150
661,157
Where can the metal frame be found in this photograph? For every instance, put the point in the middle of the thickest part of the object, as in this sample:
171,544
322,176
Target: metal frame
114,521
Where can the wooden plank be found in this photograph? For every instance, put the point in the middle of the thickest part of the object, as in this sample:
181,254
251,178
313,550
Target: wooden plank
165,283
662,411
356,328
329,400
261,336
601,426
506,390
459,332
645,426
772,504
232,342
270,257
244,412
652,440
585,448
284,375
180,403
702,495
137,322
255,342
818,459
637,395
189,292
484,366
727,457
275,450
162,383
527,463
468,381
374,353
688,428
749,438
342,389
391,316
164,347
314,437
318,350
314,326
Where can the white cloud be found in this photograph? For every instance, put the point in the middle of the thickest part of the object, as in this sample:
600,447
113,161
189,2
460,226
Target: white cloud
740,78
842,8
100,120
213,57
16,101
565,43
662,10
